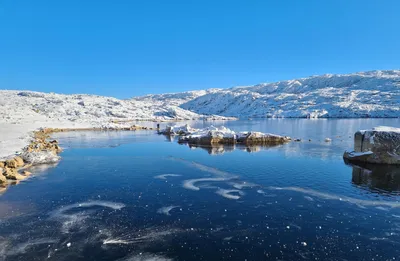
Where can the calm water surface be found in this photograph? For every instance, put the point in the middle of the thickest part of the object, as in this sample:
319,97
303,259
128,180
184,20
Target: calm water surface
140,196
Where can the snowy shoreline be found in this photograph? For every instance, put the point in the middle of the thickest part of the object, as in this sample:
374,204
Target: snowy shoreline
374,94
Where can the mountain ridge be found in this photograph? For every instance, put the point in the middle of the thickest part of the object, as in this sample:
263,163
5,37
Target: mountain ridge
356,95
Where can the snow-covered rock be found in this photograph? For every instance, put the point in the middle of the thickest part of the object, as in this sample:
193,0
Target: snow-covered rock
177,130
40,157
251,138
378,145
210,135
222,135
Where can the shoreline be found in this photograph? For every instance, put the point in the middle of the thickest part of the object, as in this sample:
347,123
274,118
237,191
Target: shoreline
42,150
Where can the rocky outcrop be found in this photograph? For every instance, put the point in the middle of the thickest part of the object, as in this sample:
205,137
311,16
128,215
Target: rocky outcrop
213,135
177,130
380,145
259,138
13,174
41,157
207,140
39,151
3,179
210,136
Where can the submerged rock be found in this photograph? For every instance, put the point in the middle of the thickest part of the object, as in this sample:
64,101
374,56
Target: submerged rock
381,145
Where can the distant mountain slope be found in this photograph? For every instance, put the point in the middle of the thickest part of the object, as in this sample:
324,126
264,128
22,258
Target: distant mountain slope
365,94
174,99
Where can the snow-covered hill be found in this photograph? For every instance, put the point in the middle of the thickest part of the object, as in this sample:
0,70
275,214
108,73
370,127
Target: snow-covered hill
92,109
367,94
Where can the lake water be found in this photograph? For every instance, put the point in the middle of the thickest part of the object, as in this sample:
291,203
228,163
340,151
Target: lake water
140,196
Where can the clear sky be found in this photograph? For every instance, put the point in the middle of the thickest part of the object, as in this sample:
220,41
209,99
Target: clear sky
124,48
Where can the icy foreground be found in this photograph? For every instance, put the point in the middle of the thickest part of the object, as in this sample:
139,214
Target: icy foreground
379,145
365,94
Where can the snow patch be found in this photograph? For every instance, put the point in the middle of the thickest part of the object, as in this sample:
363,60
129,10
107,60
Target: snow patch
359,154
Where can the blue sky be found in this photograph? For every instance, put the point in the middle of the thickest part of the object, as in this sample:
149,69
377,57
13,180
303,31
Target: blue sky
127,47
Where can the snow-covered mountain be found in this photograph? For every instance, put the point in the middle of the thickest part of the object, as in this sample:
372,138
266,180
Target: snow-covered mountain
365,94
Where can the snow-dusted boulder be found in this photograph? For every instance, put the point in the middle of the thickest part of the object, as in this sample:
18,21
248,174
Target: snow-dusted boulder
251,138
178,130
380,145
40,157
210,135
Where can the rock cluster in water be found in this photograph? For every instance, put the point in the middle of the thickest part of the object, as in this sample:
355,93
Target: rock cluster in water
214,135
380,145
39,151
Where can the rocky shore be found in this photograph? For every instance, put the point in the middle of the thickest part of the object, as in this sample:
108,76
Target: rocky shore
42,150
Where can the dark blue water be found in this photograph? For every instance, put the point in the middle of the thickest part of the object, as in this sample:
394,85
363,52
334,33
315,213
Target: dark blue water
140,196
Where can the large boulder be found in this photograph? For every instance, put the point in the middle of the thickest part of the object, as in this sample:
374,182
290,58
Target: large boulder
259,138
40,157
380,145
178,130
209,136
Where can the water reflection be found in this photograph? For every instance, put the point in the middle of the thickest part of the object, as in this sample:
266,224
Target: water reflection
377,178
